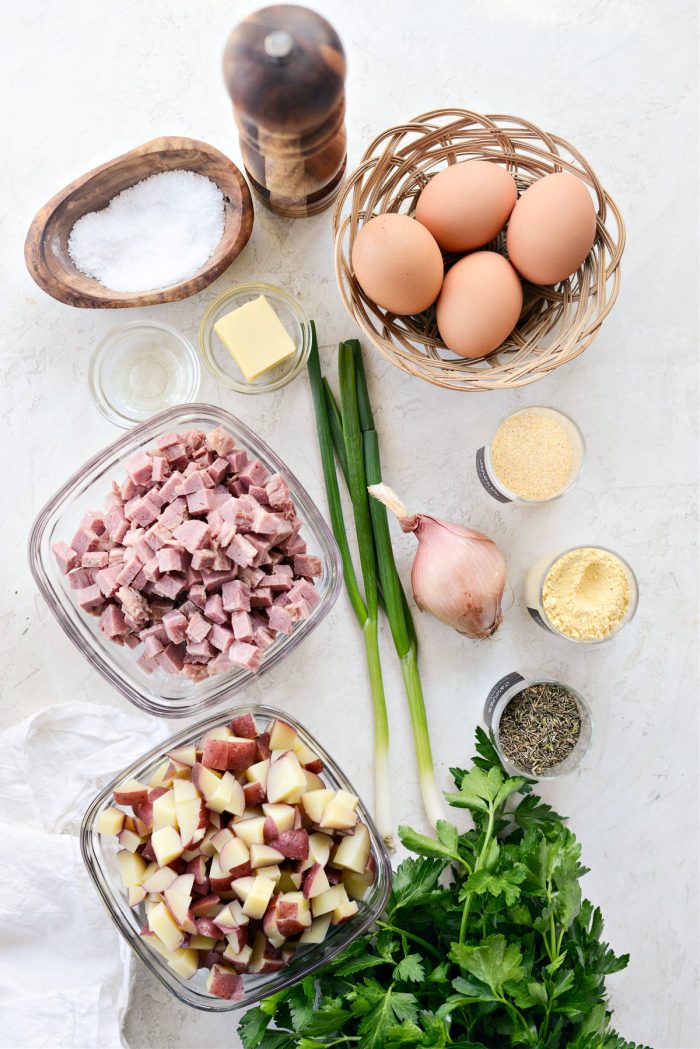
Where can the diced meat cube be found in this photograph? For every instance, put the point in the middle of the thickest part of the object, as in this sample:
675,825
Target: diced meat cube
131,640
203,559
278,492
192,534
134,604
129,571
221,637
166,440
280,620
171,489
306,565
220,664
171,659
106,579
94,522
194,482
198,594
215,580
201,502
214,609
297,610
263,637
218,470
139,468
116,524
151,570
176,454
294,545
251,576
160,469
169,585
133,536
200,651
267,523
128,490
244,655
254,473
277,582
66,556
303,588
81,578
261,598
237,460
195,671
263,550
220,442
169,520
112,621
144,511
242,626
241,551
259,494
83,540
158,610
171,559
236,597
198,628
152,646
221,562
147,664
90,597
175,624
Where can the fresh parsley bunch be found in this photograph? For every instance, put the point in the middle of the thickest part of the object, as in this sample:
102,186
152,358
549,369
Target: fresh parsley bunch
486,942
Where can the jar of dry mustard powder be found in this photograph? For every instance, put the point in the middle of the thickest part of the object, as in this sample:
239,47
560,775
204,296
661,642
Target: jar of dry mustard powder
535,455
586,594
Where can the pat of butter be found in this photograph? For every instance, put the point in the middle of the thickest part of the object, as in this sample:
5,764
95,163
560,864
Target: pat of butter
255,337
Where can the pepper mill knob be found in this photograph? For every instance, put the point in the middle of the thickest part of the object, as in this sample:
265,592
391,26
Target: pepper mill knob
284,67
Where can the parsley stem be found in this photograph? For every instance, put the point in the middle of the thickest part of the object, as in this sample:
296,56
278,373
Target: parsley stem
477,866
416,939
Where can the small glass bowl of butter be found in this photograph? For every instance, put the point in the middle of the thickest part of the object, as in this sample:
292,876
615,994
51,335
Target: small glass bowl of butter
254,338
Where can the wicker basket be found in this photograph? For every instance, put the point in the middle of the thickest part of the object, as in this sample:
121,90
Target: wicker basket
557,323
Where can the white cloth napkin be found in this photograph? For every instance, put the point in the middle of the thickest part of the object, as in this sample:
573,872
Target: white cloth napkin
64,968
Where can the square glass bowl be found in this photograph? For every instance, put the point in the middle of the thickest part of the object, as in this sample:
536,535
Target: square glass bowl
161,694
99,854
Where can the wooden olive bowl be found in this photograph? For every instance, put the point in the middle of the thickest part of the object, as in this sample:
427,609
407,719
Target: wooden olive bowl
46,246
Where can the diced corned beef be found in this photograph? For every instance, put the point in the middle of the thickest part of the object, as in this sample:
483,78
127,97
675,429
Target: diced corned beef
203,559
236,488
129,571
219,664
171,559
251,576
267,523
171,489
278,492
134,604
192,534
155,497
175,453
198,594
144,512
106,579
277,582
215,580
200,651
140,468
262,547
166,440
294,545
259,494
112,621
169,585
80,578
116,555
222,563
116,524
158,610
220,442
218,470
151,570
236,596
156,630
171,659
195,671
168,521
254,473
83,540
201,502
306,565
280,620
263,637
242,626
144,548
214,609
284,569
160,469
65,555
131,640
237,460
128,490
133,536
140,581
261,598
244,655
298,610
147,664
241,551
175,625
90,597
221,637
226,532
303,588
194,482
152,646
198,627
94,522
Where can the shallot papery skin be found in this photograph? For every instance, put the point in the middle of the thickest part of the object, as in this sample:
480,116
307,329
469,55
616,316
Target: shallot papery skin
458,574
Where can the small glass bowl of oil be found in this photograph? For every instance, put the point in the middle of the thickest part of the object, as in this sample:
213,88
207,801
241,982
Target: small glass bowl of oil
141,368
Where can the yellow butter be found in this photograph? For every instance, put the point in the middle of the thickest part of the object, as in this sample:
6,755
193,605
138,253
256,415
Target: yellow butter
255,337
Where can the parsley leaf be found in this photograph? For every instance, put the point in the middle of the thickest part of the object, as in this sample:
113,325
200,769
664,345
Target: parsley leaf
494,961
410,968
414,880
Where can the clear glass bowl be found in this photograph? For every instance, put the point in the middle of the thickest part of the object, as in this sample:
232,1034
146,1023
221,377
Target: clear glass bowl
507,689
99,855
534,585
219,361
166,695
492,482
141,368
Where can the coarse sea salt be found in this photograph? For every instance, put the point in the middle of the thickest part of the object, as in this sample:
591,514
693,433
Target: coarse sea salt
157,233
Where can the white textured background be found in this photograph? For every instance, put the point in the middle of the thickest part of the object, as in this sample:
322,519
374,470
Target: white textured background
84,81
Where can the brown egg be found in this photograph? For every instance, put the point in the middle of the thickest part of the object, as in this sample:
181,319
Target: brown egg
466,205
552,229
479,304
397,264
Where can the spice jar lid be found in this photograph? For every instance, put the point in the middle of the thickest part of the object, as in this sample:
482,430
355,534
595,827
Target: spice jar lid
284,67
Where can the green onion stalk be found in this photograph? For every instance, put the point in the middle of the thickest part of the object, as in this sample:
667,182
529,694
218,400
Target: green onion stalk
365,609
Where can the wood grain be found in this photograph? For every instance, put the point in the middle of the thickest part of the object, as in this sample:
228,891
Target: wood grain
46,245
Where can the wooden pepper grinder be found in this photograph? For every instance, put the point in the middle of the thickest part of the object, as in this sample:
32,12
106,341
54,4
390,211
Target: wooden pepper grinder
284,67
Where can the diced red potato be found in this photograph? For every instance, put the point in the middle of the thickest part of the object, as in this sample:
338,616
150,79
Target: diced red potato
221,858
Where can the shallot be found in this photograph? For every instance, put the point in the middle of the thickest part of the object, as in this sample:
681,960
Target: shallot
458,574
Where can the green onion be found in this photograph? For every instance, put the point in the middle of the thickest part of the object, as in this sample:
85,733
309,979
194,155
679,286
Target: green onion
395,604
366,610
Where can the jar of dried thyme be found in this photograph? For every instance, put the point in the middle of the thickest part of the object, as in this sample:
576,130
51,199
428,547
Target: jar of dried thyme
540,727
